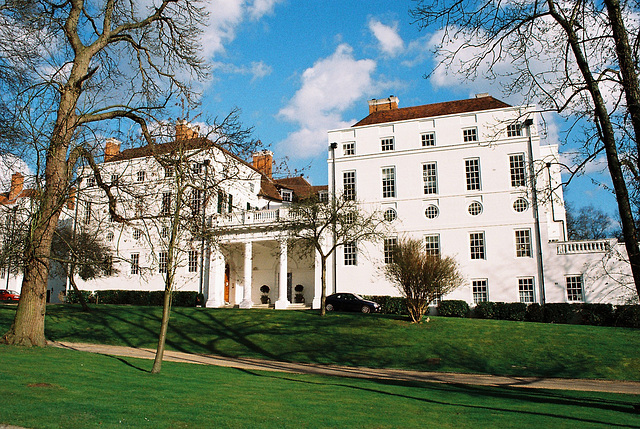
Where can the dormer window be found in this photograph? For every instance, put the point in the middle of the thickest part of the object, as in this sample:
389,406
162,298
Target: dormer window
287,195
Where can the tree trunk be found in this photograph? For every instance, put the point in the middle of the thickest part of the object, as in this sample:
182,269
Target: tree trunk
323,276
164,326
72,282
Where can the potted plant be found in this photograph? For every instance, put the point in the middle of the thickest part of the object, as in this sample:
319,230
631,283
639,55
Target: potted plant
264,298
299,297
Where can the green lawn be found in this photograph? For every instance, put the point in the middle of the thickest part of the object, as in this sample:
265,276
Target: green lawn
56,388
444,344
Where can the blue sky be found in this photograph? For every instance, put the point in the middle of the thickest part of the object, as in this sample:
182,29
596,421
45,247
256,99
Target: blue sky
297,69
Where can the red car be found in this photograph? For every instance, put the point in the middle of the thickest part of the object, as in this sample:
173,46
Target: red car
9,295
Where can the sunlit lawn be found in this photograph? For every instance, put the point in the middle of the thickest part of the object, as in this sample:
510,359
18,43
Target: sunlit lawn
444,344
56,388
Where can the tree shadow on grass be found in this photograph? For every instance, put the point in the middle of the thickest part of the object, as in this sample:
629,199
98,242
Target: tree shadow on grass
537,396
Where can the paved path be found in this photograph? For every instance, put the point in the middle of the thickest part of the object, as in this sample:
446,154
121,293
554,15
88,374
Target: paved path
628,387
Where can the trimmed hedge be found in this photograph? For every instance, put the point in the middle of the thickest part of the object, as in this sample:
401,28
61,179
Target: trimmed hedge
389,304
135,297
501,310
627,316
453,308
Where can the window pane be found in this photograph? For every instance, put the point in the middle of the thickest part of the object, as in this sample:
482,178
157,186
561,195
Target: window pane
480,292
476,241
516,165
389,246
349,185
388,182
523,243
514,130
472,170
430,178
432,244
574,288
350,253
470,135
387,144
525,290
428,139
193,261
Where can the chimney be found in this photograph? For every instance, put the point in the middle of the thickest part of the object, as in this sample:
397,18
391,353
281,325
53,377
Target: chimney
17,181
71,201
263,162
380,104
111,148
185,131
482,95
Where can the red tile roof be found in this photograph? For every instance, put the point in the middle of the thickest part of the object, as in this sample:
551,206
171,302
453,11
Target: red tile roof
435,109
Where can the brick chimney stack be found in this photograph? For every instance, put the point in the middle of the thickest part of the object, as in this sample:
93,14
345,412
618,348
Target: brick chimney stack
111,148
380,104
186,131
263,162
17,182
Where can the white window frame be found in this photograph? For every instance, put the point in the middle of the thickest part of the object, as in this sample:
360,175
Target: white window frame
430,177
477,245
350,253
388,144
389,182
348,148
470,134
526,290
480,290
473,174
165,207
428,139
390,244
141,176
432,244
514,129
349,185
193,261
286,195
523,243
163,262
574,294
517,170
135,263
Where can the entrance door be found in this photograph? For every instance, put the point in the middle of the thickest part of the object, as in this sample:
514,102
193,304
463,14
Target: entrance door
226,283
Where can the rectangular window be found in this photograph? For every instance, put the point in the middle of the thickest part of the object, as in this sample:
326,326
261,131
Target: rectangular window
349,148
141,175
221,202
523,243
388,182
115,179
286,194
350,253
387,144
390,244
163,262
168,171
193,261
574,288
472,171
87,213
430,178
525,290
164,232
428,139
432,244
197,197
470,135
135,263
196,168
476,245
139,206
166,204
230,206
516,166
480,291
349,185
514,130
91,182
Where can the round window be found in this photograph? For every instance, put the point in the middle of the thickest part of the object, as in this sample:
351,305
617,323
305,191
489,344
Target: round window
520,205
390,215
475,208
432,212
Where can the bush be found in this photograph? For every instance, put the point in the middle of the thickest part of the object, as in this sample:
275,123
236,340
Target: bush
561,313
534,313
510,311
627,316
389,304
138,297
453,308
596,314
73,298
484,310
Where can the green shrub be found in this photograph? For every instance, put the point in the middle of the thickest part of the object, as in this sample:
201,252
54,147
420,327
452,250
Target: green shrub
185,299
389,304
534,313
72,297
453,308
596,314
627,316
510,311
142,297
561,313
484,310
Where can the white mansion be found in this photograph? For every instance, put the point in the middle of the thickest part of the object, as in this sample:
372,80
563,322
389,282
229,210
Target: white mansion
456,174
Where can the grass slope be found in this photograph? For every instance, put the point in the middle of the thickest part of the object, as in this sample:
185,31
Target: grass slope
56,388
444,344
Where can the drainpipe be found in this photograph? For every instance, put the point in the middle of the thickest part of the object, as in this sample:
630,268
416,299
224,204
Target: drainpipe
536,216
332,148
553,211
204,212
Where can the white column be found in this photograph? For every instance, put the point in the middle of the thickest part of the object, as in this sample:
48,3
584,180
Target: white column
215,284
248,270
283,302
317,287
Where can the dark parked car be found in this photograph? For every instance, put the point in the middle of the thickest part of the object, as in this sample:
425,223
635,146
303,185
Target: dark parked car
350,302
9,295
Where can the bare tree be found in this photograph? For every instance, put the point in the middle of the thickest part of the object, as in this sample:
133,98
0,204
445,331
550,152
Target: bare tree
420,277
577,58
587,223
323,226
94,61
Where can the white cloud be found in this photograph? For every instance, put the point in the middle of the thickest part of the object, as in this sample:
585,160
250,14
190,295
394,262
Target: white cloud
328,89
256,69
259,8
388,38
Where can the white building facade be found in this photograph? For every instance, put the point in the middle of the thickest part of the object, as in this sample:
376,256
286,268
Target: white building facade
458,176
